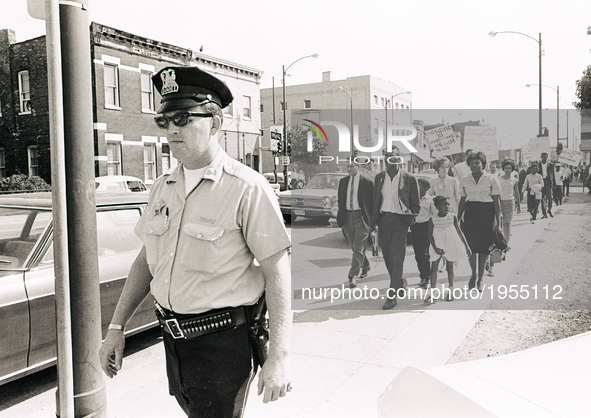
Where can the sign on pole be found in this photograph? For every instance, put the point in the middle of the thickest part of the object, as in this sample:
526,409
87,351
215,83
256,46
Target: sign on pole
443,141
285,160
570,157
276,136
483,139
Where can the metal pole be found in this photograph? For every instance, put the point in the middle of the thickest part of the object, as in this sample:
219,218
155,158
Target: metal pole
89,387
351,102
540,88
65,387
557,114
284,132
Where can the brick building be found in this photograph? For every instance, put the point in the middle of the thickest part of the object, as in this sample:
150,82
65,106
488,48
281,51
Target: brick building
126,139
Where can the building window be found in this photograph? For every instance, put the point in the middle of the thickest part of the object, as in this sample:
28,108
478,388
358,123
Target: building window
261,109
33,156
229,110
150,162
113,158
375,98
375,126
2,163
307,104
246,104
147,92
24,92
111,86
382,102
165,158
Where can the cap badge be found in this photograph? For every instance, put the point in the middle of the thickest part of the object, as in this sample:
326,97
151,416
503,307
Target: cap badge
169,84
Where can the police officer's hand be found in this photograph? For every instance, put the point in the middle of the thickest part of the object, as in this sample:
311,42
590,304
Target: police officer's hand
111,352
274,379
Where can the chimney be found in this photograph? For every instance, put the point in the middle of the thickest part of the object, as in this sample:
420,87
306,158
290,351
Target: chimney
326,76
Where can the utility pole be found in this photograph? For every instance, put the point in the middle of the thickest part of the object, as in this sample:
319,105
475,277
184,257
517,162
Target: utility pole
89,388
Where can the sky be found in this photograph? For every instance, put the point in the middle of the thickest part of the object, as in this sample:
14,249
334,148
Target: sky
441,51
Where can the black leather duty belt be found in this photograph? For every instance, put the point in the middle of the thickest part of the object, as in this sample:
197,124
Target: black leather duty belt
191,326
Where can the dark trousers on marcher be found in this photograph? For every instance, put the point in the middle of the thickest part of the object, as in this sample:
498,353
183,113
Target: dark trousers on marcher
357,236
420,245
558,194
210,375
565,187
392,230
532,205
547,196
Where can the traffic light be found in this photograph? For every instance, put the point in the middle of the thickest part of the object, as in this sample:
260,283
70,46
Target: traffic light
288,149
279,147
559,148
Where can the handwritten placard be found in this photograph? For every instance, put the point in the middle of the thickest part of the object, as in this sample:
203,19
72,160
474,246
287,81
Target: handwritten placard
482,138
443,141
537,146
570,157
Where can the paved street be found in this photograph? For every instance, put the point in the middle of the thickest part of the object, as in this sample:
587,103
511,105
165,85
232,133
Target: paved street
345,353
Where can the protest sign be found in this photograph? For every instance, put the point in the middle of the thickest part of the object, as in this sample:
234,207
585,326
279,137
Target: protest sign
570,157
482,138
443,141
537,146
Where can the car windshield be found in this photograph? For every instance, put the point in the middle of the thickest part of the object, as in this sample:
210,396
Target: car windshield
20,229
136,186
324,181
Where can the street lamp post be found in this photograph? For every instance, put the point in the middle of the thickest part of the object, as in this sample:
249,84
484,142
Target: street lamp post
449,116
539,42
284,106
557,90
351,102
386,109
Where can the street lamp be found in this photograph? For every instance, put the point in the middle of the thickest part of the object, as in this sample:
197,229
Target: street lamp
284,120
386,108
449,116
539,42
557,90
351,101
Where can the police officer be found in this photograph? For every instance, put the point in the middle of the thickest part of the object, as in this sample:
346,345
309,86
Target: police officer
214,242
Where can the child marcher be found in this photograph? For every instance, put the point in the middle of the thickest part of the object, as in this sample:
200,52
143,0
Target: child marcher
533,186
420,232
446,238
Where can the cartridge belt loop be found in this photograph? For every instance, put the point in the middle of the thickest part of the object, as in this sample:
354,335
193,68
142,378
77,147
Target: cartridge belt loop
189,326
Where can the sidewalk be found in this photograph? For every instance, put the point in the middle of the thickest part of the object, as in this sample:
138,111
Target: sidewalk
342,359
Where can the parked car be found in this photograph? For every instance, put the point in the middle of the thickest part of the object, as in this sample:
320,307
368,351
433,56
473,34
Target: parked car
317,199
27,307
120,184
271,179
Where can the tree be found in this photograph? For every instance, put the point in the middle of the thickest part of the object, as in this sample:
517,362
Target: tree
584,93
22,182
297,143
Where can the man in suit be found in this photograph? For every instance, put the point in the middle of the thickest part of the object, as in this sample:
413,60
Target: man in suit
355,199
547,172
396,205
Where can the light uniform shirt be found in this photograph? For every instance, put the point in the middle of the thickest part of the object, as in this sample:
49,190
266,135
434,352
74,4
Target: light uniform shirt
355,185
483,191
566,174
390,199
201,248
534,182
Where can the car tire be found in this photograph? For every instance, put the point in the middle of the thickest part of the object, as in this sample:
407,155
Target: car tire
289,218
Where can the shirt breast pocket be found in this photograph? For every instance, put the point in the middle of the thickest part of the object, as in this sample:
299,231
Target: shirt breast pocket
155,230
202,252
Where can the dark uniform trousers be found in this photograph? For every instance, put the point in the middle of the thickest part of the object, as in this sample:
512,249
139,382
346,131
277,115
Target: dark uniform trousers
392,230
210,375
420,245
357,236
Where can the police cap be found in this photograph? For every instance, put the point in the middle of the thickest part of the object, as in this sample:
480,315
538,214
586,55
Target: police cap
183,87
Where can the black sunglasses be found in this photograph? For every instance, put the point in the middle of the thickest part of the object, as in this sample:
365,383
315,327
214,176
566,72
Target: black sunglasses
179,119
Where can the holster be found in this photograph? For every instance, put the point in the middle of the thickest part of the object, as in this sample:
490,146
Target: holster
258,332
